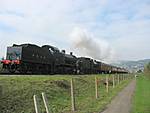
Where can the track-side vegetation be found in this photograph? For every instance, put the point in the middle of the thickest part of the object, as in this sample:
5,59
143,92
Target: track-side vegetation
16,93
147,70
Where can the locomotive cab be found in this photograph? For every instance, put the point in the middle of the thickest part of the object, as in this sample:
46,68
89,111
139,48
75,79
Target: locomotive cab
13,58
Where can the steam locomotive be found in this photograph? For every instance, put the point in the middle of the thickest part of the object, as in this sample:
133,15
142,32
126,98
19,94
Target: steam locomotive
30,58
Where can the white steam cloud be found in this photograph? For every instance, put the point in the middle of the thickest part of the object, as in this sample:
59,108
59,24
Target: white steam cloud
85,44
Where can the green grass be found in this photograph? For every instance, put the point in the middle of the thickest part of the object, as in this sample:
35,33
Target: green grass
16,95
141,100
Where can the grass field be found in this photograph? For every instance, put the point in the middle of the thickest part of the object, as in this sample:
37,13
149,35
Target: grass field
16,95
141,101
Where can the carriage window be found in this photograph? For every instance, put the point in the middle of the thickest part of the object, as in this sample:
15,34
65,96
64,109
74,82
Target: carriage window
14,53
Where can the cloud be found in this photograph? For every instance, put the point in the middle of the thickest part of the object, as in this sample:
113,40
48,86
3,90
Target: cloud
121,26
33,22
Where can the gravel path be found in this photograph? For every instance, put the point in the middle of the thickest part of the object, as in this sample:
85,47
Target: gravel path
122,102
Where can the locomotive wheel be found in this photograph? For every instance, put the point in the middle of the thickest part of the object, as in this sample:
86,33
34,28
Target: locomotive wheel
23,69
12,68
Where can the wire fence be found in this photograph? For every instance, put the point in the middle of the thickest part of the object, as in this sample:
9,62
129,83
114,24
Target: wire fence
82,91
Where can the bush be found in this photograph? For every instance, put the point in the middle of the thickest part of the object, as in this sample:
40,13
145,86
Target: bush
147,70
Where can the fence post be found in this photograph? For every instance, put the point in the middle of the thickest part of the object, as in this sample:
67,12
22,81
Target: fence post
96,87
35,104
113,81
72,95
124,77
107,84
45,102
118,78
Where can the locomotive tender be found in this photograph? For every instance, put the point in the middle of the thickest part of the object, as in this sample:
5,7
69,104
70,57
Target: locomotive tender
30,58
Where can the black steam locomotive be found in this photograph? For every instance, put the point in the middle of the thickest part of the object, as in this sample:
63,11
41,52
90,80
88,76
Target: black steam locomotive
29,58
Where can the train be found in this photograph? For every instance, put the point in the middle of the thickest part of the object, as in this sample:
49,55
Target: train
47,59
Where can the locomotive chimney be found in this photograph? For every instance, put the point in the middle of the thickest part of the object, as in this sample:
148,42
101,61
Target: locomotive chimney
71,53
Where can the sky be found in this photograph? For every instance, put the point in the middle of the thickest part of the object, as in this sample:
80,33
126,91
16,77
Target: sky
119,28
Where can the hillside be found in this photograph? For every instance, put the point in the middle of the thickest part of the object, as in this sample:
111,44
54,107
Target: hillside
133,65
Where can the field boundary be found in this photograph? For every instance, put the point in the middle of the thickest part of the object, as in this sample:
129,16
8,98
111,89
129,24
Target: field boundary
109,82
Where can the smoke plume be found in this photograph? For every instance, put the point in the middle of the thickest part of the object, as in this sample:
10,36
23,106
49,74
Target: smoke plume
85,44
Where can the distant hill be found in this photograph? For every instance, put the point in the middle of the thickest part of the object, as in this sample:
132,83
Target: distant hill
133,65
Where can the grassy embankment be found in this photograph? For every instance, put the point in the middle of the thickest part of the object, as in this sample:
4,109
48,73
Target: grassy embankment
17,93
141,100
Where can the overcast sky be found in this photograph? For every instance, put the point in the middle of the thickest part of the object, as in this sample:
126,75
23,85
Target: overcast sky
123,25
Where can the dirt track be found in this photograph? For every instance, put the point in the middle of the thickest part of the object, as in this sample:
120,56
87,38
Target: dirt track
122,102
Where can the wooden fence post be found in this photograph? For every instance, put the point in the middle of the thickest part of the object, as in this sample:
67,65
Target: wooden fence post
45,102
124,77
118,78
72,95
107,84
113,81
35,104
96,88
